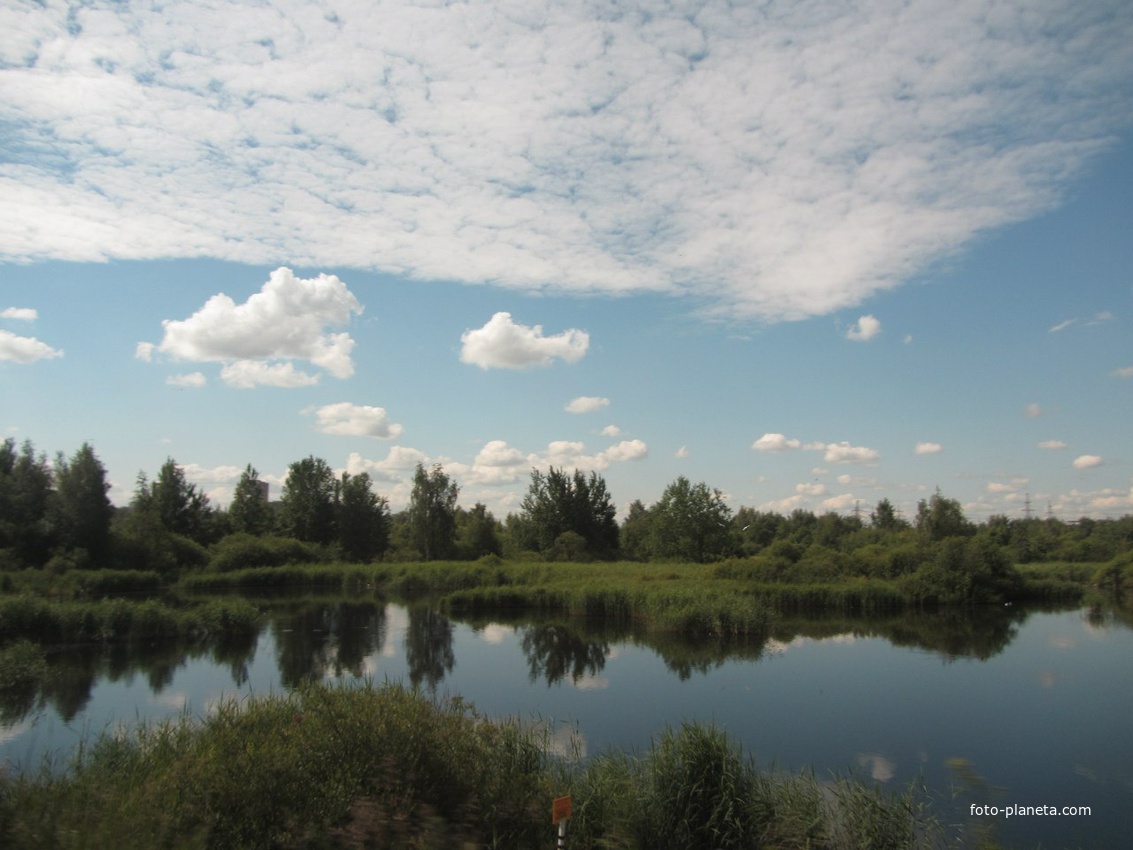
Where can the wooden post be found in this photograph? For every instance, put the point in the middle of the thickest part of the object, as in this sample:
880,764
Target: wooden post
560,814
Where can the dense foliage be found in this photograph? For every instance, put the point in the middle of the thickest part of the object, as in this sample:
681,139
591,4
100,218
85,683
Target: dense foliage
57,516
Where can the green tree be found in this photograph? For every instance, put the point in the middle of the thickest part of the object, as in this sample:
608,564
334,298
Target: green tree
363,519
432,513
477,533
25,495
80,510
884,517
181,507
634,536
690,523
308,507
250,512
939,518
556,503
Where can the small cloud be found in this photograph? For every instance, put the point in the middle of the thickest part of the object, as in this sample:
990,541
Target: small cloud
245,374
144,351
845,453
626,450
1061,326
611,431
682,452
1052,445
25,349
908,339
19,314
866,329
928,448
503,344
1099,318
194,380
1034,411
353,420
1123,372
775,443
587,404
811,489
1087,462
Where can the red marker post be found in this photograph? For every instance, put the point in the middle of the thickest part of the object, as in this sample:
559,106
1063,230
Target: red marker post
560,814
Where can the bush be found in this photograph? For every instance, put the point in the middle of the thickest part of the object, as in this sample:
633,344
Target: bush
245,551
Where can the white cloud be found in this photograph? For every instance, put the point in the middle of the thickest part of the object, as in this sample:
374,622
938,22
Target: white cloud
353,420
1053,445
245,374
19,314
1034,411
626,450
866,329
393,467
839,503
681,453
288,319
1124,372
25,349
780,161
586,404
845,453
775,443
928,448
1061,326
841,452
611,431
194,380
1087,461
812,489
503,344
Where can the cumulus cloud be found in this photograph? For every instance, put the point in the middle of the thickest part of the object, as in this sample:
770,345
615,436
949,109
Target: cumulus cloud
25,349
867,328
19,314
586,404
354,420
1087,461
841,452
928,448
396,465
1124,372
812,489
681,453
504,344
611,431
775,443
245,374
1051,445
287,320
845,453
779,162
194,380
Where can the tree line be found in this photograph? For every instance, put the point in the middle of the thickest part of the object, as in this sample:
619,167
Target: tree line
58,515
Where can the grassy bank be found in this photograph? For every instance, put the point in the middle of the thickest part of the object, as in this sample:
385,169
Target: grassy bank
328,767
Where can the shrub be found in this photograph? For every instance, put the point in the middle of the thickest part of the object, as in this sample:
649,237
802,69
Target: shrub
244,551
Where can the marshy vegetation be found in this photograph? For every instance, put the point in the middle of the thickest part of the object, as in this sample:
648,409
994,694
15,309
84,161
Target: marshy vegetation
336,767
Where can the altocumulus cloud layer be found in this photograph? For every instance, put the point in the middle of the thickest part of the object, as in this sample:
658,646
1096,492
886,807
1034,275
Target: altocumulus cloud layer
776,160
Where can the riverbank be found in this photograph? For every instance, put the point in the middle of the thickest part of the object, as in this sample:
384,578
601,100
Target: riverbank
345,767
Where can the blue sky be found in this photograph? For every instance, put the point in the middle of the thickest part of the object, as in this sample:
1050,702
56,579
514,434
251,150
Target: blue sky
813,256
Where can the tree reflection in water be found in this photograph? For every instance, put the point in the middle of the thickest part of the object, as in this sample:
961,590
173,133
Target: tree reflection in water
555,650
428,646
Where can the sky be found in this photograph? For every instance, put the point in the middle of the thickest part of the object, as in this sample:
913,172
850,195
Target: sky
813,254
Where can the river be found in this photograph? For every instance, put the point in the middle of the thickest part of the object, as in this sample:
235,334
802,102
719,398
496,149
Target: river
998,708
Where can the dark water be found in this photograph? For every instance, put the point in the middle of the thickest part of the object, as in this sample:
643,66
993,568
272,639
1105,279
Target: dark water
1000,708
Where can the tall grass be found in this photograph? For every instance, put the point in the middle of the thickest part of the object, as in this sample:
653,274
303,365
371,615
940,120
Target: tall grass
352,767
45,621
